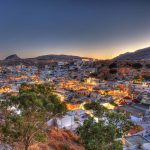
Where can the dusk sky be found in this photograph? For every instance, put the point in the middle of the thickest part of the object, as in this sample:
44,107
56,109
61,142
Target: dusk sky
93,28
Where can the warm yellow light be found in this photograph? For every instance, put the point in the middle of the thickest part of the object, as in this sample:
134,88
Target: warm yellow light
108,106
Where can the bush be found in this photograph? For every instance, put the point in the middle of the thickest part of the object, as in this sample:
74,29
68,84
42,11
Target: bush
137,65
113,71
146,77
113,65
147,65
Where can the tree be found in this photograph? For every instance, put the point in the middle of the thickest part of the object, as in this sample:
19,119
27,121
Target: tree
99,110
113,65
98,136
137,65
113,71
146,77
147,66
33,107
101,134
120,121
93,75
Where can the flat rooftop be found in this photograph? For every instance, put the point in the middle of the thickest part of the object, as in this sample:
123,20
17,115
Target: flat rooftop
136,140
132,110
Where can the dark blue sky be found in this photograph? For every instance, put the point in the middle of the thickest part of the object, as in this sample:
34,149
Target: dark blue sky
96,28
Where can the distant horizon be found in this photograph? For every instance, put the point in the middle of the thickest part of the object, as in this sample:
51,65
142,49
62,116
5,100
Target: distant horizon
72,55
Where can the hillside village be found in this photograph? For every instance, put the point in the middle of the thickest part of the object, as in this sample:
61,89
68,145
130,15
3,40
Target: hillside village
120,86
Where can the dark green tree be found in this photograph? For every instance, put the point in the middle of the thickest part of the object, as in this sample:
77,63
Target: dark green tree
113,65
147,66
102,134
137,65
113,71
33,107
99,136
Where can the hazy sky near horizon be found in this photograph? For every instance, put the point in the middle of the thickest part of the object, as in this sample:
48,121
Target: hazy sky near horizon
93,28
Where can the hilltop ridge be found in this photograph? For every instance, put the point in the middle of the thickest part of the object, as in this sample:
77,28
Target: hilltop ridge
137,55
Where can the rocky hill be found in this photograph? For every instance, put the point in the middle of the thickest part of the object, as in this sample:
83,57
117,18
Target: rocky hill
12,57
45,59
137,55
57,57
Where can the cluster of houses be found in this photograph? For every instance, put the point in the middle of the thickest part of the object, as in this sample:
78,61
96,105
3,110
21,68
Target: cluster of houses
75,86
